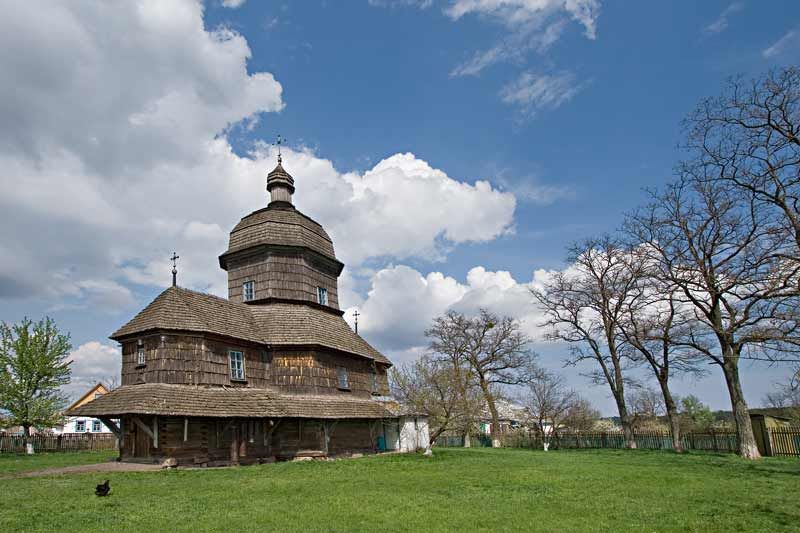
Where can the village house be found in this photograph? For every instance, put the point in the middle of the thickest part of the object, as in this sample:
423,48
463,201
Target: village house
271,372
82,424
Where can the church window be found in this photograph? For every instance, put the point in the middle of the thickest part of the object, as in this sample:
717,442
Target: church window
140,360
249,291
96,426
80,426
237,364
344,380
322,295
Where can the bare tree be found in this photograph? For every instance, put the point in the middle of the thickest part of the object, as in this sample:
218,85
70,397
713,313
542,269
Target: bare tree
715,249
654,320
584,306
581,415
494,349
434,387
787,396
646,405
749,137
547,403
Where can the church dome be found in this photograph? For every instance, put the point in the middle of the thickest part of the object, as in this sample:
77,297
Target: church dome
279,225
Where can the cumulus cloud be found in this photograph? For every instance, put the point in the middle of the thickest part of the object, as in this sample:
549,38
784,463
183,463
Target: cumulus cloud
402,302
533,93
92,362
531,25
233,4
721,23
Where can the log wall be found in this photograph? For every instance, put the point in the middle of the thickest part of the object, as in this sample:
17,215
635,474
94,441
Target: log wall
293,275
222,441
203,360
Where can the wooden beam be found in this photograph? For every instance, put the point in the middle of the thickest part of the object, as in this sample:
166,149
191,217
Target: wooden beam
143,427
112,426
155,431
185,429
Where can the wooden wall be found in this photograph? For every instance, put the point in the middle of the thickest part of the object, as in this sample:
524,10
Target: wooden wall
192,360
203,360
286,274
213,441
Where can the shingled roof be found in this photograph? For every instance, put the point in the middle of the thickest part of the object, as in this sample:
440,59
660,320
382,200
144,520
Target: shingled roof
282,226
217,402
275,324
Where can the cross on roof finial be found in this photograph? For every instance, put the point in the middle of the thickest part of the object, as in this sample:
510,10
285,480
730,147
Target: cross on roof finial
278,143
174,259
356,314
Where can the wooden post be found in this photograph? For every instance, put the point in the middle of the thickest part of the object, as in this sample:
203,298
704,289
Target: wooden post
235,445
185,429
243,439
155,431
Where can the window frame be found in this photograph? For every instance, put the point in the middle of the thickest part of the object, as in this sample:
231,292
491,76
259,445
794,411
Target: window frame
80,424
98,425
141,354
240,368
248,287
322,296
342,378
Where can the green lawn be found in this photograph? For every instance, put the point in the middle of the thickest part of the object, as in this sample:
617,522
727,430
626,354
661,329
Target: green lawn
11,463
478,489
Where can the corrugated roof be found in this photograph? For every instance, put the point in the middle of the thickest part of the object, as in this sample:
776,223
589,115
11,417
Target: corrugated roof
186,400
276,324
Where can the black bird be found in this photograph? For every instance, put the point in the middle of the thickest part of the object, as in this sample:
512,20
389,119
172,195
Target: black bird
103,490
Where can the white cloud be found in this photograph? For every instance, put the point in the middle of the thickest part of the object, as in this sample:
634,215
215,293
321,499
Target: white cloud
115,153
789,41
532,92
721,23
531,25
92,362
421,4
233,4
402,302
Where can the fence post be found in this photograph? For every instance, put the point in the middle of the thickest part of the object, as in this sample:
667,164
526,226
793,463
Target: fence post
714,436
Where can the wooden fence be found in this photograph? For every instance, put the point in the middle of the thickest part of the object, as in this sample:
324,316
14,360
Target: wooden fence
783,441
68,442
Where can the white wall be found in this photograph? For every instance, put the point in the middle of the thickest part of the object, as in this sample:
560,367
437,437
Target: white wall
414,433
71,425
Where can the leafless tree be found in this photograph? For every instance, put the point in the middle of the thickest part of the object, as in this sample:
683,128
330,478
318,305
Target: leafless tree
645,405
715,249
492,349
787,395
436,388
749,137
584,306
547,402
581,415
653,321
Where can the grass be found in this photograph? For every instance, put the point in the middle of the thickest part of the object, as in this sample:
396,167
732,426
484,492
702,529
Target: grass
15,463
477,489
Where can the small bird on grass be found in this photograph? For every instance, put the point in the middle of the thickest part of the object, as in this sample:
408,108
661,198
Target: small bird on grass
103,489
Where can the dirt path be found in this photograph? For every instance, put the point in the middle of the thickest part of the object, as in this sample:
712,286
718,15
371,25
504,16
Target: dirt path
84,469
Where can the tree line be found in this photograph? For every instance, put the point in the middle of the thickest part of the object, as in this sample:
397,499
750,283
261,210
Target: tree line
705,274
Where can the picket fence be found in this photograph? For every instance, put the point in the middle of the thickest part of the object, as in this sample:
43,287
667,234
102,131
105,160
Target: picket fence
783,441
68,442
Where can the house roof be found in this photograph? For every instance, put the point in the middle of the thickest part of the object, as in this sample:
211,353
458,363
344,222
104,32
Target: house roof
274,324
98,387
280,225
221,402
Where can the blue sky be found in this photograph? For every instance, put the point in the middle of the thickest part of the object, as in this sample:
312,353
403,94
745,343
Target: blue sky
577,113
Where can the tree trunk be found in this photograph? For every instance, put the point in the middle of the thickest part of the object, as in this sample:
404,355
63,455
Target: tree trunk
495,433
672,415
435,434
625,420
741,414
467,442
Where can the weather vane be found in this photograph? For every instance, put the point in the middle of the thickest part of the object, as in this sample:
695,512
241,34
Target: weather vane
174,259
356,314
278,143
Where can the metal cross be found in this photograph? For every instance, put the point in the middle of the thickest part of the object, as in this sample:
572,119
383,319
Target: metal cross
174,259
356,314
278,143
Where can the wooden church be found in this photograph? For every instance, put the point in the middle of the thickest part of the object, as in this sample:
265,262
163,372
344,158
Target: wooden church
272,372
